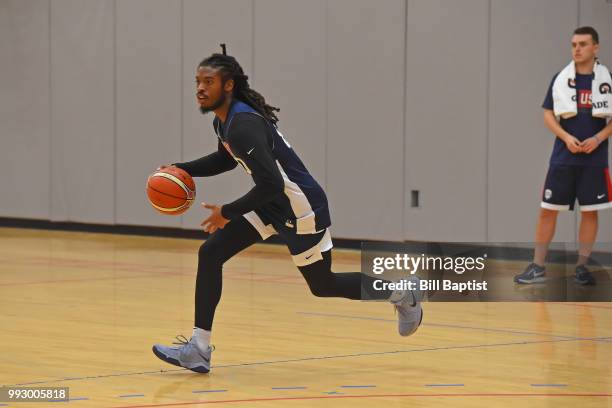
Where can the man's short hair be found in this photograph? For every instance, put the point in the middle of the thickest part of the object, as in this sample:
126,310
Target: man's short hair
588,30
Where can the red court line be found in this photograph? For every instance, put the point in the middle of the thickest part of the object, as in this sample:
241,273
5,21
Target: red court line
175,404
583,305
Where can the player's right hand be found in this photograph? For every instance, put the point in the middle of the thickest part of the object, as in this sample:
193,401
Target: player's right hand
573,144
164,166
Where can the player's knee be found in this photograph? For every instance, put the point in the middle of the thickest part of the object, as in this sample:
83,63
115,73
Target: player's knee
317,278
547,213
589,215
209,252
318,290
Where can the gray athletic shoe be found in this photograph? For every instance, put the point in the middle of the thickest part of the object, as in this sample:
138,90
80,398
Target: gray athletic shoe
533,274
409,311
584,276
186,354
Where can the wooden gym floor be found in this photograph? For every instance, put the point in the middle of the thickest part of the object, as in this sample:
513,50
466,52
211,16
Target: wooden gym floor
82,311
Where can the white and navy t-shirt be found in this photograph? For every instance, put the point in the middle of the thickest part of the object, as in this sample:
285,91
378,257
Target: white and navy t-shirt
582,126
285,193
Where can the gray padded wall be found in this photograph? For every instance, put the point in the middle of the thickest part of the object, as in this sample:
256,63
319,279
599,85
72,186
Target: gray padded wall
529,43
598,13
148,105
446,107
205,26
365,133
24,108
290,70
82,111
99,96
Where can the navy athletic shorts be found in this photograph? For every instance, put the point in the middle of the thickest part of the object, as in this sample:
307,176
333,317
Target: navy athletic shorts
305,249
591,186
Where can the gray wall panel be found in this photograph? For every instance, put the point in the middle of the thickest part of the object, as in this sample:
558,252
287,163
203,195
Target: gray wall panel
82,121
290,71
528,45
24,108
446,116
365,118
148,107
370,125
205,26
598,13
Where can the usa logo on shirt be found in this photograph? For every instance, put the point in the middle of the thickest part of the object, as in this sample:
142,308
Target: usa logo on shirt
584,99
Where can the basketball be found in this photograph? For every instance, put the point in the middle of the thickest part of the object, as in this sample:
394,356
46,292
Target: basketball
171,190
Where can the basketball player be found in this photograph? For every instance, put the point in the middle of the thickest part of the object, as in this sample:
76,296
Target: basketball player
580,95
285,200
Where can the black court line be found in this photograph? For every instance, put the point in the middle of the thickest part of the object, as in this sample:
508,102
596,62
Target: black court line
319,358
452,326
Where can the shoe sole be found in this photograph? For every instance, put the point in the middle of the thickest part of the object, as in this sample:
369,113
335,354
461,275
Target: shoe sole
535,280
584,283
175,362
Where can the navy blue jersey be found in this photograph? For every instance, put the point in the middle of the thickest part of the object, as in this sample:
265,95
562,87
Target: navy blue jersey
582,126
285,193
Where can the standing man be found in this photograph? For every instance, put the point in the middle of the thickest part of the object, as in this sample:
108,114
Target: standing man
580,97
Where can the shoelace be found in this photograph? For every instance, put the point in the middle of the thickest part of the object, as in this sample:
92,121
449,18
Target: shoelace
182,341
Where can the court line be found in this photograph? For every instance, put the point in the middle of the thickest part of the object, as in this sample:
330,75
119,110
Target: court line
421,395
338,356
582,305
289,388
201,391
454,326
444,385
549,385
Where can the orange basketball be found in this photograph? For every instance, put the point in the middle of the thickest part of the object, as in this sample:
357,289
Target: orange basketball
171,190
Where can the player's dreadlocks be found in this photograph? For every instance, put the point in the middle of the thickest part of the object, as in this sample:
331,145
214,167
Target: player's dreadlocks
231,69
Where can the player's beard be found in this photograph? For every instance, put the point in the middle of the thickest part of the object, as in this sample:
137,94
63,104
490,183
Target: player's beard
215,105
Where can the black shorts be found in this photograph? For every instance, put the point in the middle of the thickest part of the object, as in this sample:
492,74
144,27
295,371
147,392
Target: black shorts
564,184
304,248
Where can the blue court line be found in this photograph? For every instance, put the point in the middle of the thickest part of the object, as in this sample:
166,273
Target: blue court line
444,385
71,399
452,326
289,388
357,386
376,353
549,385
130,395
201,391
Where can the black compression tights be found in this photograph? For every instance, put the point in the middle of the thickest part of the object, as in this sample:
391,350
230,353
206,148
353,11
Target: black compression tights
239,234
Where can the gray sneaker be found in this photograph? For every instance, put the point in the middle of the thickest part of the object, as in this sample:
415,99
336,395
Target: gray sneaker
533,274
584,276
409,311
186,354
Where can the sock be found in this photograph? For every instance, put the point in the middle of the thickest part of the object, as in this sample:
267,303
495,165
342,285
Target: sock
202,338
582,259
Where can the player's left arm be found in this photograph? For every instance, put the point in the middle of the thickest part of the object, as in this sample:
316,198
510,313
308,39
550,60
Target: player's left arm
592,143
249,144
